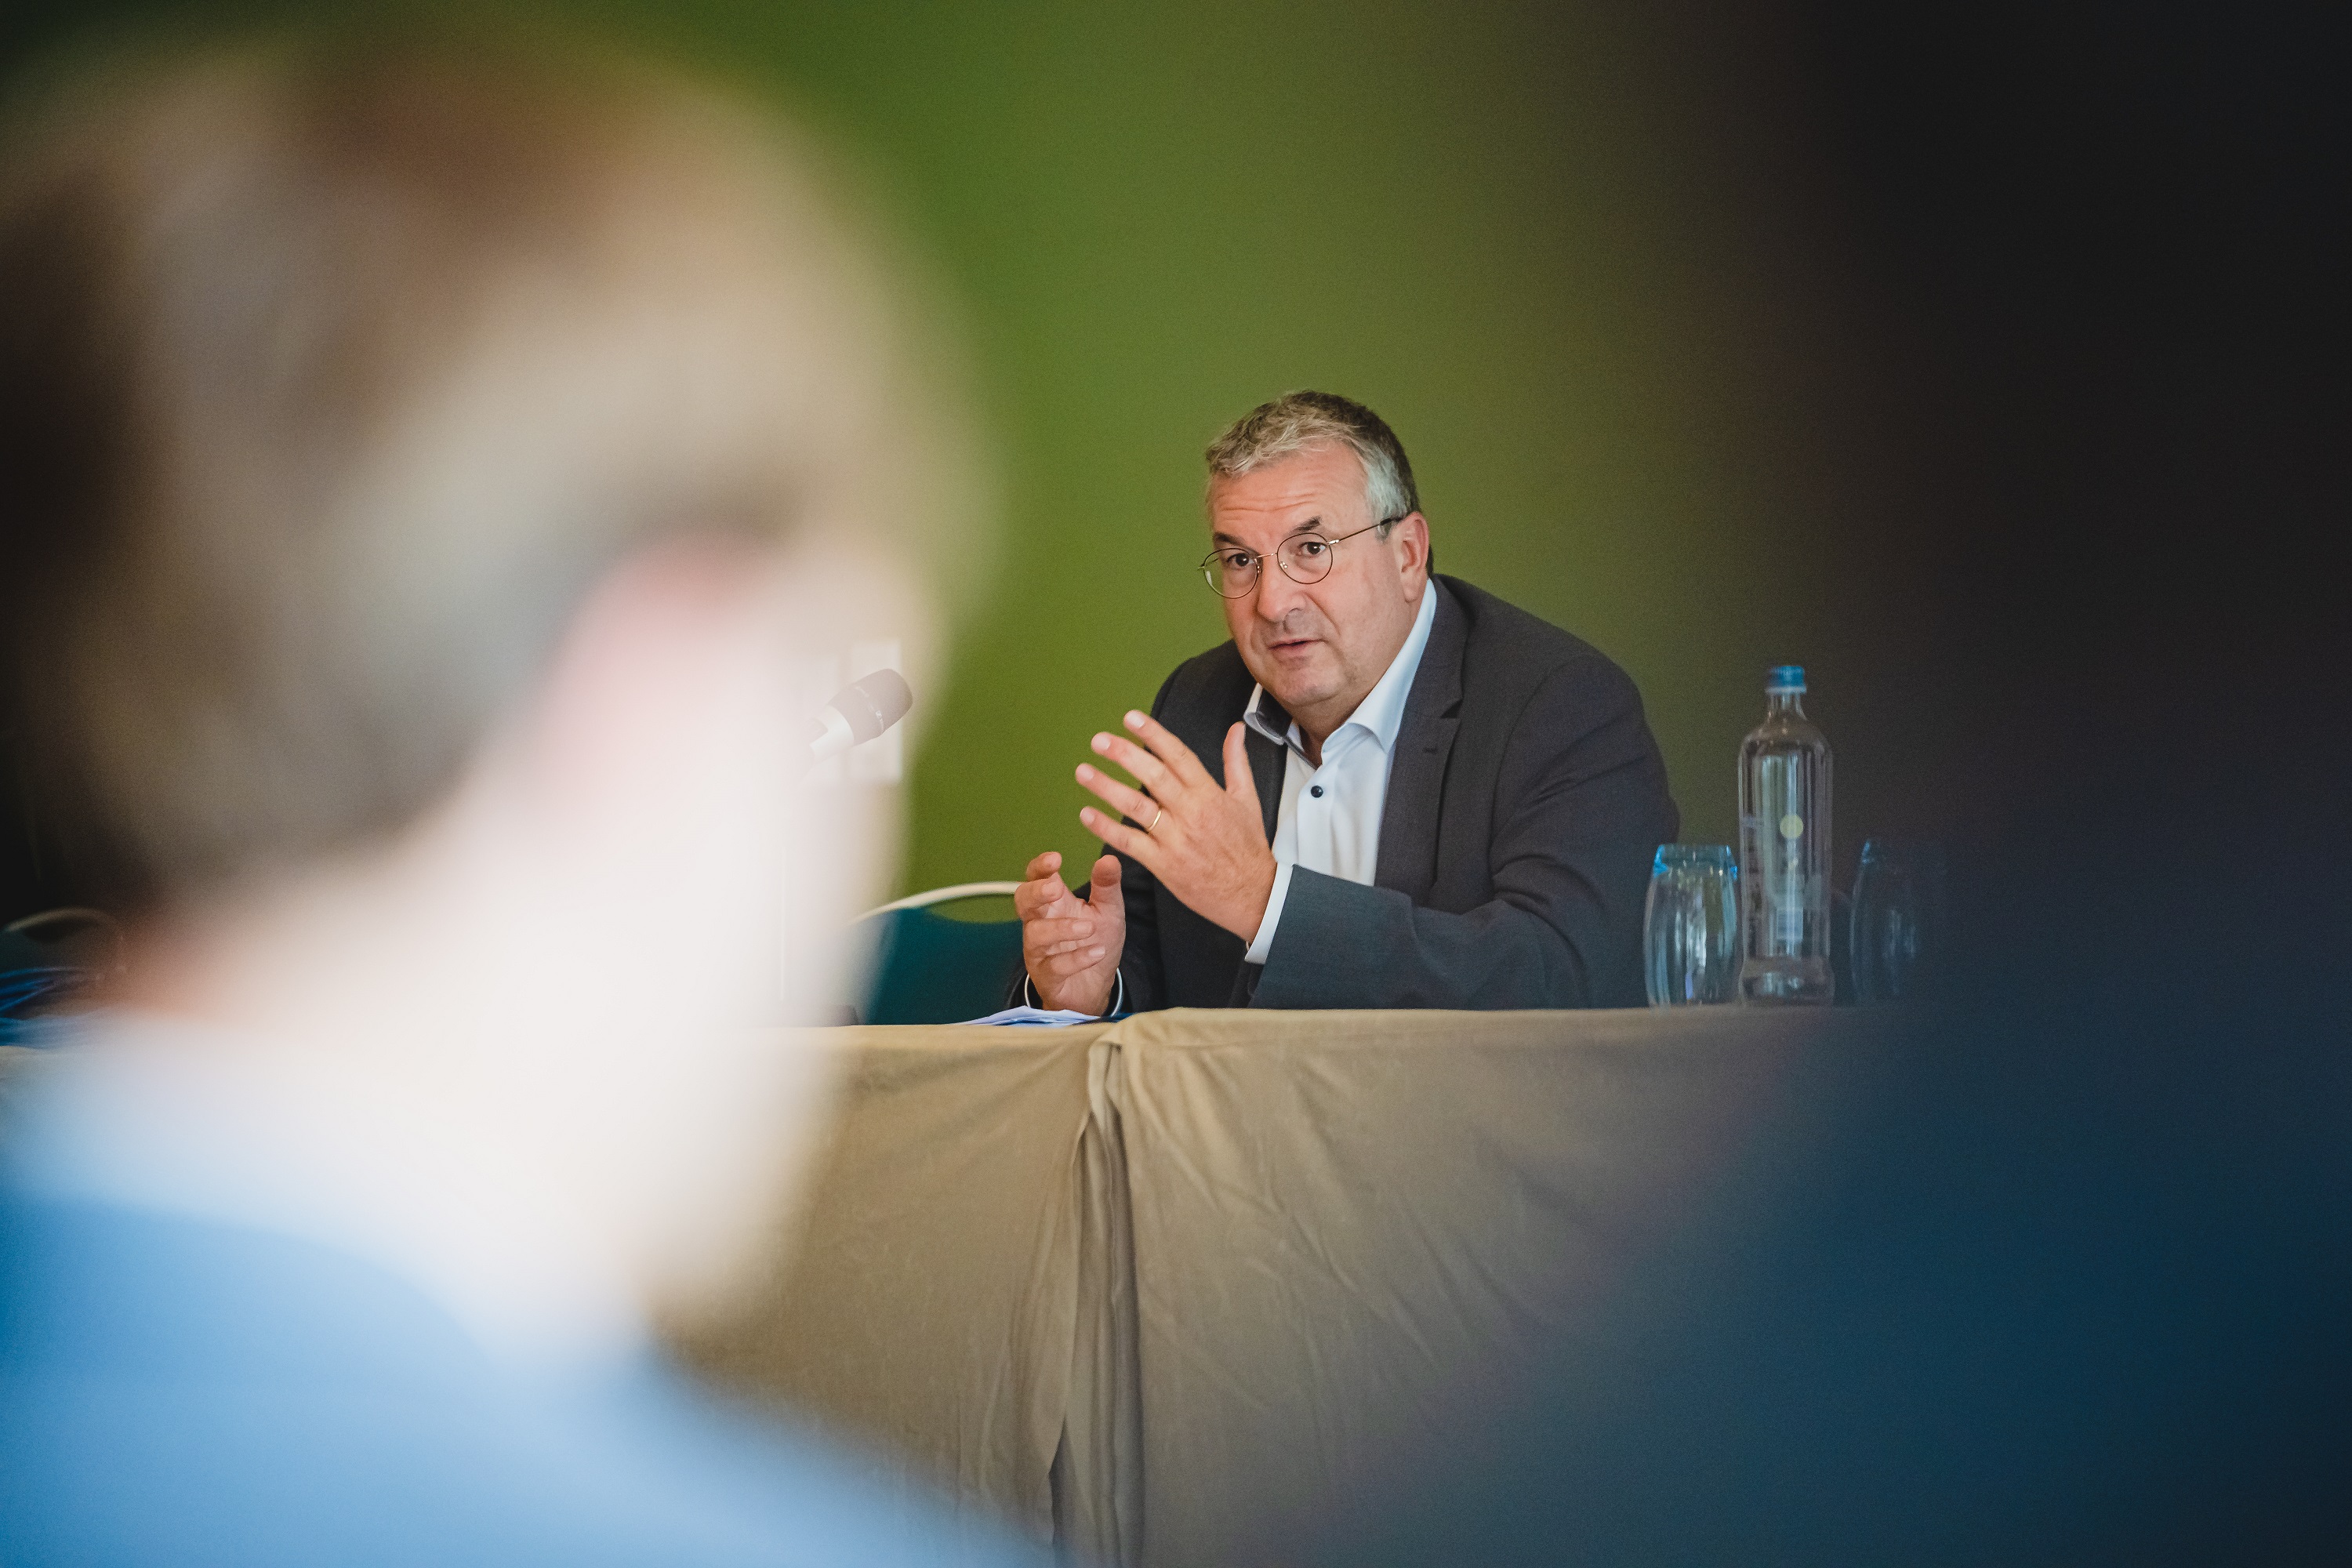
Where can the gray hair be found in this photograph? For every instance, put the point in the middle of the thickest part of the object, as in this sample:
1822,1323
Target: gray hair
1301,421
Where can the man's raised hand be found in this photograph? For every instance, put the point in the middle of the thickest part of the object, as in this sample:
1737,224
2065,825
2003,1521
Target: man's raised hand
1071,945
1204,840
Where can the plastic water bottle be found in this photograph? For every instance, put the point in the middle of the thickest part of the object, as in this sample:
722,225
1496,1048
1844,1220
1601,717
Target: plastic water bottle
1784,851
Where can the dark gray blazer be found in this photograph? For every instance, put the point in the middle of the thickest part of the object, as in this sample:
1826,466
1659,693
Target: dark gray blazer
1525,799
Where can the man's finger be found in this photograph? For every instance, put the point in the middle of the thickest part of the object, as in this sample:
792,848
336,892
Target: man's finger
1042,865
1060,928
1056,948
1156,776
1126,840
1070,963
1032,899
1132,804
1167,747
1104,877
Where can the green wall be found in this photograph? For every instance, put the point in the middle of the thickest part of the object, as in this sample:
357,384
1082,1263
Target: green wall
1575,259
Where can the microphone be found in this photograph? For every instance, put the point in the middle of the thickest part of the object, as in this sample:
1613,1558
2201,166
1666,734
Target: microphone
858,713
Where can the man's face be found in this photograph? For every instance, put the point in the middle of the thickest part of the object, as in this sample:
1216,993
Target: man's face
1319,648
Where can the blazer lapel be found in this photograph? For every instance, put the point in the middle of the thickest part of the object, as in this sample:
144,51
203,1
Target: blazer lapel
1432,711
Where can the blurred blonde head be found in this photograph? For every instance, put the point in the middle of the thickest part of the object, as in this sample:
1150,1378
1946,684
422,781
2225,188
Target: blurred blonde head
423,474
331,375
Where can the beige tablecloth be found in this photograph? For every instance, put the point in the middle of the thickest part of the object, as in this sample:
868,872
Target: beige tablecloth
1355,1233
1237,1266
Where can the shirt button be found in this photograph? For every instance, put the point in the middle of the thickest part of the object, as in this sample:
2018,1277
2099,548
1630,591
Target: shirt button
1314,790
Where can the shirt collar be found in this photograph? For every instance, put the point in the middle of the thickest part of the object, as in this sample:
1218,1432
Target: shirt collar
1381,712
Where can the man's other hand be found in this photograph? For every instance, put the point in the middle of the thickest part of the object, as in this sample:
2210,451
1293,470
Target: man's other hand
1071,945
1204,840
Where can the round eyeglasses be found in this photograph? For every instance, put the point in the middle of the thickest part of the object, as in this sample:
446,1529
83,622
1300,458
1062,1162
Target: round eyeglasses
1306,557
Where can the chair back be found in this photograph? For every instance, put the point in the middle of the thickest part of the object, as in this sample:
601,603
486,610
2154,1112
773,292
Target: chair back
928,968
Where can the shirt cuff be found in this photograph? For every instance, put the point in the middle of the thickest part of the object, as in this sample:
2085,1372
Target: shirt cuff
1117,994
1264,938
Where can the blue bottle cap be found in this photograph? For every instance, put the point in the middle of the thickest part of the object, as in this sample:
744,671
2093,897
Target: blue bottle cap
1785,678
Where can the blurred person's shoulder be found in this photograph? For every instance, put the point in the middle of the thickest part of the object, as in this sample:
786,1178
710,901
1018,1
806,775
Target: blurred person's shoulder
172,1387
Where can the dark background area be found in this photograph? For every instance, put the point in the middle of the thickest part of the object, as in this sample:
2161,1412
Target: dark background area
2124,225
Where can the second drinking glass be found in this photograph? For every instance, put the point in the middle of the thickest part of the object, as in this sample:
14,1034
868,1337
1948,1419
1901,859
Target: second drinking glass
1690,927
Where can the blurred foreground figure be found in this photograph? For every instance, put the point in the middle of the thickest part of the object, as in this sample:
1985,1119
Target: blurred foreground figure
425,479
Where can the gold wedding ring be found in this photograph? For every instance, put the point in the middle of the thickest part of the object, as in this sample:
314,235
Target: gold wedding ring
1155,820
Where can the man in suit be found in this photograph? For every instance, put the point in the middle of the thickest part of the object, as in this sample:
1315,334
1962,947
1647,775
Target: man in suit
1428,798
425,473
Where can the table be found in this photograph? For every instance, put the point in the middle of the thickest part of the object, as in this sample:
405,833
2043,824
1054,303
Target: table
1173,1288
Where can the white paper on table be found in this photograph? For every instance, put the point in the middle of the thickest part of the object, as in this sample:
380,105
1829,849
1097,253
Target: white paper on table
1035,1018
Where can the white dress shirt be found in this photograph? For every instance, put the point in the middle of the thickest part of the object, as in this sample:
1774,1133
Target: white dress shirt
1330,816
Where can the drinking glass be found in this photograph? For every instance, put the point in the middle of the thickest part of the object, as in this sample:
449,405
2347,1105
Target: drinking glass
1690,927
1898,918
